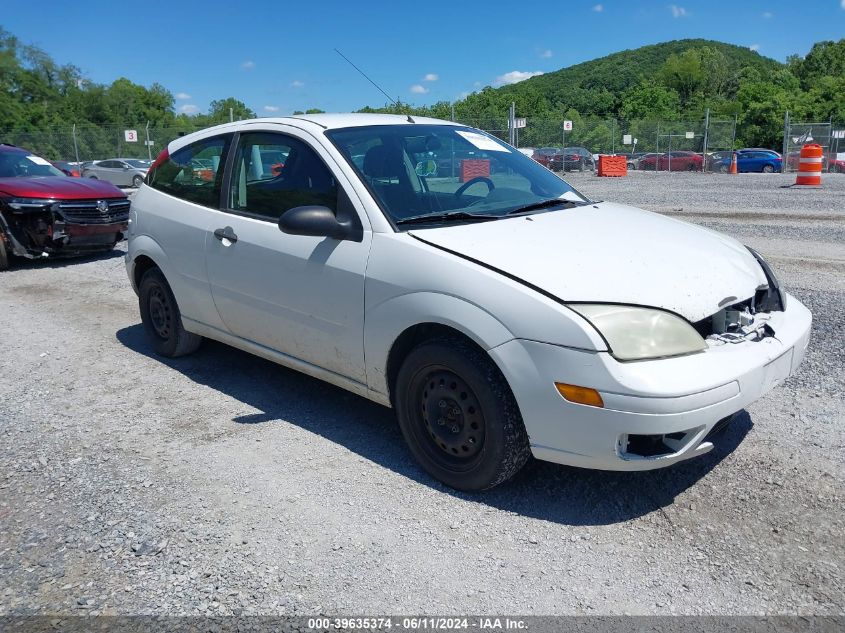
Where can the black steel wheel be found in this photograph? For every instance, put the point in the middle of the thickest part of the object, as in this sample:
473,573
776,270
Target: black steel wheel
459,417
162,319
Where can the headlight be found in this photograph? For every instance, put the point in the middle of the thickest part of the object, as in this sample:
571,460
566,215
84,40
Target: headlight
634,333
23,204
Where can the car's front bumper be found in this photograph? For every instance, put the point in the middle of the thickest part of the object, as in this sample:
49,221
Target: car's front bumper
644,401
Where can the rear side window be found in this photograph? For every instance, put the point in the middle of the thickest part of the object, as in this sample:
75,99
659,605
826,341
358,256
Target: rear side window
194,173
275,172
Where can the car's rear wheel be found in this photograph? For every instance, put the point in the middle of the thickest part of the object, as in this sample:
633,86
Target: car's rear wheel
137,180
161,317
91,176
459,417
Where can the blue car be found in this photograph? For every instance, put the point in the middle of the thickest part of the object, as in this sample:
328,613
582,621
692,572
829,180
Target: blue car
752,160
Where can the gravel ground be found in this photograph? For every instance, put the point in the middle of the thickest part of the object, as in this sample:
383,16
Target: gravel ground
223,484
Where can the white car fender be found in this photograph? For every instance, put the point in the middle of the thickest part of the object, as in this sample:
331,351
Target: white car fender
387,321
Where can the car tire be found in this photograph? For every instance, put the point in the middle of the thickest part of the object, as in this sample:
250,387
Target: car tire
91,176
723,169
768,169
479,440
137,180
4,255
162,319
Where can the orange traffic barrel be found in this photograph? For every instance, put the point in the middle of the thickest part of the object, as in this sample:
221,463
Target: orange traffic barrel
810,166
733,168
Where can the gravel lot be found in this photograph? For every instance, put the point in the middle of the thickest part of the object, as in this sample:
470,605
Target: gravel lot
223,484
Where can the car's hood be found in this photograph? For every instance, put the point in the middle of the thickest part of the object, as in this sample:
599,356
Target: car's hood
612,253
59,188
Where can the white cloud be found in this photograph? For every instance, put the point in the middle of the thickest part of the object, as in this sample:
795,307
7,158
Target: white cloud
296,83
678,12
269,108
598,8
183,96
546,54
418,89
189,108
515,76
431,77
769,14
754,47
248,64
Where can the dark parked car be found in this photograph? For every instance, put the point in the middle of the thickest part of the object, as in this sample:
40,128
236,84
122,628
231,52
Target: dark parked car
543,154
45,213
764,161
571,158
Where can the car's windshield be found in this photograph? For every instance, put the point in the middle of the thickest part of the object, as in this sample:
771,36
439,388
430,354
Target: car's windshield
18,164
138,164
417,170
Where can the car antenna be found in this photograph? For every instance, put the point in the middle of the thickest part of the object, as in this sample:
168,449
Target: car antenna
395,102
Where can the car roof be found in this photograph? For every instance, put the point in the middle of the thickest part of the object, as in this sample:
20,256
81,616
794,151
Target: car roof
315,123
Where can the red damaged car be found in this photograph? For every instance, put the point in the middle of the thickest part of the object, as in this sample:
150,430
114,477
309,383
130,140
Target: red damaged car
44,213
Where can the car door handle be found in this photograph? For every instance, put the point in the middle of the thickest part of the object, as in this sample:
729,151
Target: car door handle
226,233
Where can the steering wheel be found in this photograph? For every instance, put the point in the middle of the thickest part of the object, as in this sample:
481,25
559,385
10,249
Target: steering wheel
469,183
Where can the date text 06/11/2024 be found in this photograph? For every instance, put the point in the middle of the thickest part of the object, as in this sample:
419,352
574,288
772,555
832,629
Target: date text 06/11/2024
418,623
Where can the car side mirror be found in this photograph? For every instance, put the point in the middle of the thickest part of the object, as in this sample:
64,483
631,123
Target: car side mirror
318,221
126,168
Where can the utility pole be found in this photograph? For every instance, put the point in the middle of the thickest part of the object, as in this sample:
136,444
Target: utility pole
784,163
231,115
76,148
706,131
149,146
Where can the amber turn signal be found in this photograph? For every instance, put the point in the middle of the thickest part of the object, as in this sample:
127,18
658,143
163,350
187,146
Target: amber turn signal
580,395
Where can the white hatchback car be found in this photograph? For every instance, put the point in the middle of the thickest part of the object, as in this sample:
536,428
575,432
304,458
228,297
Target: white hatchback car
500,312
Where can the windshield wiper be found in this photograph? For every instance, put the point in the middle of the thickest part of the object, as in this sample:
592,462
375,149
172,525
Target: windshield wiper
458,216
543,204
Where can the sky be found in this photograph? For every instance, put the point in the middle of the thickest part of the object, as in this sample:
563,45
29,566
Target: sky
280,57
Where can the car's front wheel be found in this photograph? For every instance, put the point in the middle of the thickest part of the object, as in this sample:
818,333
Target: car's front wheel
768,169
459,417
161,317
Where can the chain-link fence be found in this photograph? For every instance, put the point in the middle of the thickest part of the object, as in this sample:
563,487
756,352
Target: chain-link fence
712,140
796,135
91,143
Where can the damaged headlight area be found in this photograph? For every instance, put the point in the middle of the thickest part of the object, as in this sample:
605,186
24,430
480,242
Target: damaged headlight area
747,320
769,298
637,333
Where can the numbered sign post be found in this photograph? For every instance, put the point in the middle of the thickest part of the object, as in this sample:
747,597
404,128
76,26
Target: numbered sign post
567,127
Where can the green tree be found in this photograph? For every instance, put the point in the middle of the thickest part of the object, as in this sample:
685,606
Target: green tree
650,100
684,74
219,111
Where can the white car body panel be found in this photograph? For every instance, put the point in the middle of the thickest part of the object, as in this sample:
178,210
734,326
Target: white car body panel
611,253
334,309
